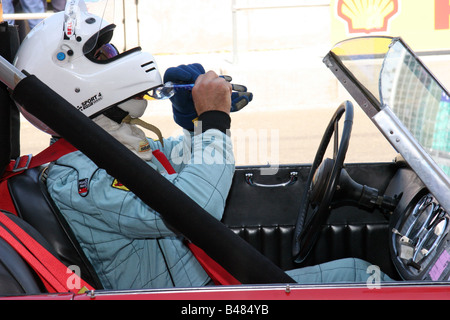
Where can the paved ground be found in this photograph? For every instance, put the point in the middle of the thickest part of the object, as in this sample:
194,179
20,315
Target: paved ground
286,136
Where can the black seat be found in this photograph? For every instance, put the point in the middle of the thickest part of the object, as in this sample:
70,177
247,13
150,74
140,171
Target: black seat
35,206
16,275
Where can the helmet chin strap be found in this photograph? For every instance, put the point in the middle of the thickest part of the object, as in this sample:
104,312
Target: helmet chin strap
119,116
124,128
143,124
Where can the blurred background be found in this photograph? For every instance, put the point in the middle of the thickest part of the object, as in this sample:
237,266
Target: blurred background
275,48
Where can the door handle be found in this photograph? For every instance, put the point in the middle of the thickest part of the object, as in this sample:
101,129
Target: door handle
293,177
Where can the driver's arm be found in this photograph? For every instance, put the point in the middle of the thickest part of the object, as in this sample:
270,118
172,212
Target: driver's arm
205,177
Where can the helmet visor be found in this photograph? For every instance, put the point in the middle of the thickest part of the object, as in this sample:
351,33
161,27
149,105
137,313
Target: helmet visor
105,52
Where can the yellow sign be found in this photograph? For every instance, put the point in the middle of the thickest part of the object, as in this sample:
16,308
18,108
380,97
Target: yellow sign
423,24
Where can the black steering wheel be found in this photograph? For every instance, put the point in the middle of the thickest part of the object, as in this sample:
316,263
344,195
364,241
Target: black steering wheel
321,184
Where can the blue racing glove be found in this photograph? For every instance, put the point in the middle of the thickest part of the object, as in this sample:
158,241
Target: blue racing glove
182,103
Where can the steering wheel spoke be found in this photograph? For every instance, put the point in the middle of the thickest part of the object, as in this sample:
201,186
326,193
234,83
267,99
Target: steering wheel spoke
336,139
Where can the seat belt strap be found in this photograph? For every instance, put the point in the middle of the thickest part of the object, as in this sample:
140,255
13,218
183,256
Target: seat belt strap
15,167
215,271
50,282
55,275
6,202
53,152
161,157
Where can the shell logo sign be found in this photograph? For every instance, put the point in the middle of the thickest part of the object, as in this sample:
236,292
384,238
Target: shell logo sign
367,16
423,24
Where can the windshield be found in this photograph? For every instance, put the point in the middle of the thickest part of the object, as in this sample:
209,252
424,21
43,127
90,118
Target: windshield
404,100
364,58
419,101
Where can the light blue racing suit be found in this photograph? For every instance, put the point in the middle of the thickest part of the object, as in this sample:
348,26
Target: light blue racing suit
126,241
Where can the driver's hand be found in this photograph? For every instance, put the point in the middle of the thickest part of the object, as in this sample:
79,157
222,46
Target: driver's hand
211,93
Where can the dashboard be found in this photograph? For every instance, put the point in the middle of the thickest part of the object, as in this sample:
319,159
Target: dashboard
420,239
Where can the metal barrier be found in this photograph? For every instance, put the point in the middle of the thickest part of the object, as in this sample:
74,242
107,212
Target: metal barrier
235,9
26,16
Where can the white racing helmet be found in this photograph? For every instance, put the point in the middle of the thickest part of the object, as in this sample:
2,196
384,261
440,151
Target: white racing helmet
62,51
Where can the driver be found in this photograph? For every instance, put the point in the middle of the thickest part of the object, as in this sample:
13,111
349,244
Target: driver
127,242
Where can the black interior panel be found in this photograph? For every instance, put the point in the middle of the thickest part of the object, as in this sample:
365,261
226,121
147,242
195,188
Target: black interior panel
265,217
